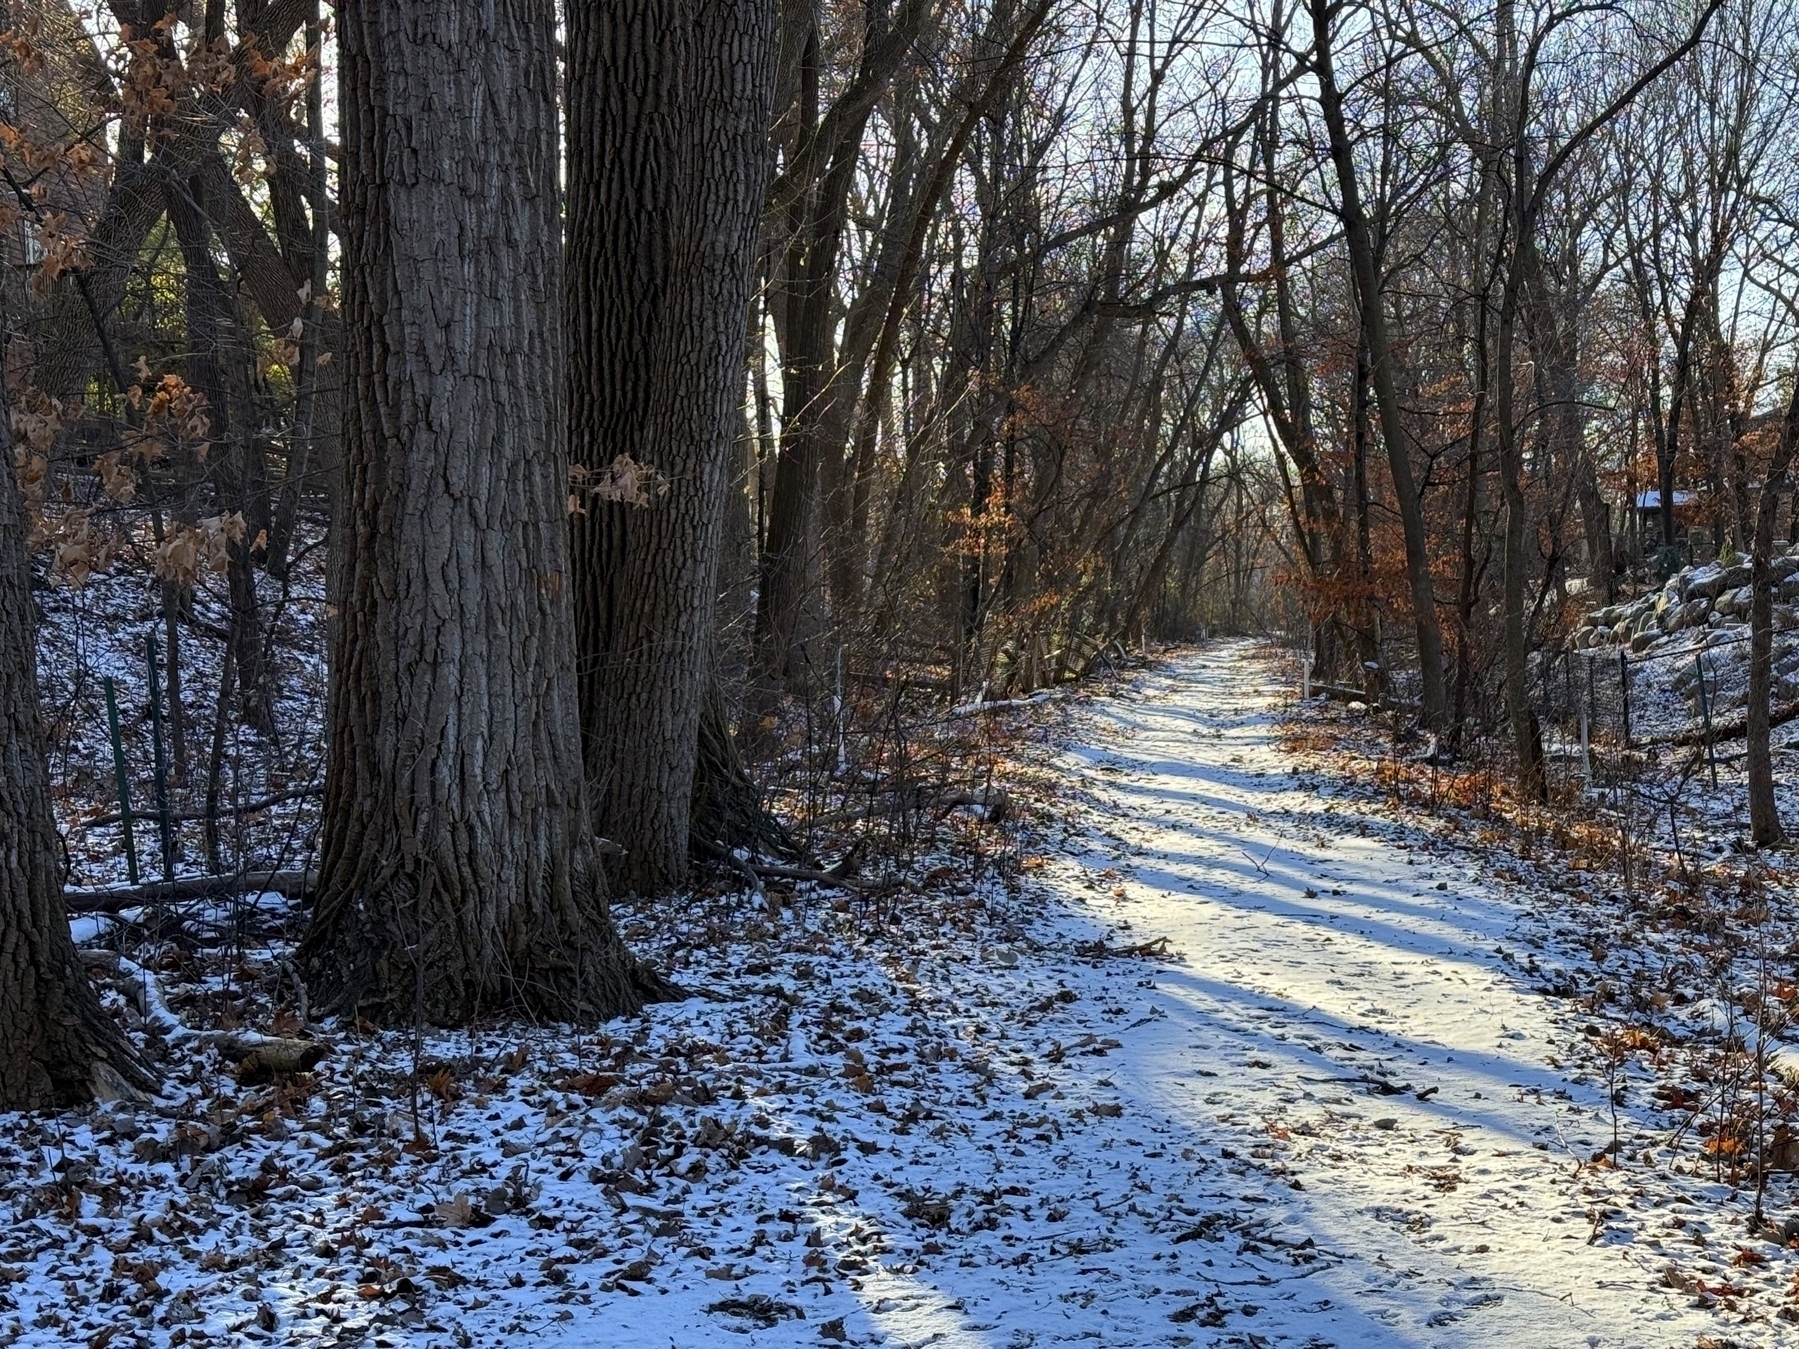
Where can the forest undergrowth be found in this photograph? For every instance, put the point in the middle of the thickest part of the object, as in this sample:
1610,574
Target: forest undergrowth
302,1182
886,1111
1671,940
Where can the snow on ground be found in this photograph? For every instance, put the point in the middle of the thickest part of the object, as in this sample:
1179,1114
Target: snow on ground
1237,1060
1346,978
96,630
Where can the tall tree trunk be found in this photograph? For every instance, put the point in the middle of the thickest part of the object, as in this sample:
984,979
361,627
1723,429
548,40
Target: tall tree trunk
1764,815
1525,193
215,360
809,206
1555,334
666,179
57,1047
1435,703
1366,609
1282,378
312,442
789,598
1468,587
1011,35
1517,248
459,873
1527,738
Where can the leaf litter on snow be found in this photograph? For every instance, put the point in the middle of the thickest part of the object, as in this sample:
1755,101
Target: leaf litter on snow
1673,985
1149,1086
1326,962
864,1128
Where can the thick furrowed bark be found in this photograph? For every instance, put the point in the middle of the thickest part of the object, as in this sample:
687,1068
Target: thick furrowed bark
57,1047
459,874
666,181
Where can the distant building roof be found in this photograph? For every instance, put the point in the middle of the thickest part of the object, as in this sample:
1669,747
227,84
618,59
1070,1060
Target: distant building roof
1652,499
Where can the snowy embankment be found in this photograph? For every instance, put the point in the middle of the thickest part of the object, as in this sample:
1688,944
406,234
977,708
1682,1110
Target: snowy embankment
1694,625
1234,1062
1710,601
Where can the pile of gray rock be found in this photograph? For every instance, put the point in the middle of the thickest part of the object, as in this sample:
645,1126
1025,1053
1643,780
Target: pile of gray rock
1713,598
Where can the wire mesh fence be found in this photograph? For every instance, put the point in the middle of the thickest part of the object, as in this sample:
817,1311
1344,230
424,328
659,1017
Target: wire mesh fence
1604,709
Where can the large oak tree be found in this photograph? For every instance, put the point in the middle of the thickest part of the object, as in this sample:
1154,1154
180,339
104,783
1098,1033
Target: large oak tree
667,150
459,871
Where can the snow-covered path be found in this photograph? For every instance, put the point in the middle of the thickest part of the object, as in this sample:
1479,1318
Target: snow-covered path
1341,1015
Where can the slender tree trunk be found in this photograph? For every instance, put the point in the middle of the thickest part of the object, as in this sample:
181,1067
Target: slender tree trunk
234,477
1435,704
1527,738
172,595
312,442
1764,816
791,566
813,214
57,1047
809,208
1556,334
1366,610
1468,587
666,181
1285,387
983,85
846,511
458,872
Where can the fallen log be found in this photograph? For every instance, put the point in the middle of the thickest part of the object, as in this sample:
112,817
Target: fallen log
188,816
755,871
830,879
980,707
995,801
1734,729
255,1057
114,899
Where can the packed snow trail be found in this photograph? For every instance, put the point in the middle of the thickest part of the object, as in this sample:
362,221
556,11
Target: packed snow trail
1341,1003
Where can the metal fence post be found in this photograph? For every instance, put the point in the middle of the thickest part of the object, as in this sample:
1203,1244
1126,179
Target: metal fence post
1705,711
1586,757
1624,690
1588,701
120,779
162,768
